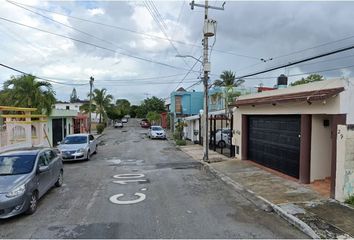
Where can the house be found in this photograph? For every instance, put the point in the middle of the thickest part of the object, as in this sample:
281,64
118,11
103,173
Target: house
80,122
304,131
60,124
184,104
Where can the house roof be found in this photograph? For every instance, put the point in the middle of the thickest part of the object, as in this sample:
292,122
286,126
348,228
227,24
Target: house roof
307,92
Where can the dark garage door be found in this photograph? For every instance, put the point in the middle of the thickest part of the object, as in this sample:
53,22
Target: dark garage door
274,142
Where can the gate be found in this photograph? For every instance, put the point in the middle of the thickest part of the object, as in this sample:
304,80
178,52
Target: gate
221,130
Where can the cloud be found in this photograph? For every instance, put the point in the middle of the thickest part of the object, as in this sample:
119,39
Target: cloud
255,29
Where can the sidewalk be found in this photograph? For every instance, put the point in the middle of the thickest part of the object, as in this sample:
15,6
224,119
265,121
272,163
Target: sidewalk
315,215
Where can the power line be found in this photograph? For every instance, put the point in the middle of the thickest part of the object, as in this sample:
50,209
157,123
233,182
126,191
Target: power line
139,33
300,74
297,62
48,80
92,44
188,72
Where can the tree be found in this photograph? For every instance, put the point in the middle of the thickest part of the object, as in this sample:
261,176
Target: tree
308,79
133,111
114,113
102,101
73,96
26,91
153,117
123,106
228,80
153,104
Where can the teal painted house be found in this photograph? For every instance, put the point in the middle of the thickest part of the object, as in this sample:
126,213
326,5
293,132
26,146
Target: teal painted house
184,103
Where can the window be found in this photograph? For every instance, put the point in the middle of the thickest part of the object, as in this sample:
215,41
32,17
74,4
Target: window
178,104
50,155
91,138
67,107
43,161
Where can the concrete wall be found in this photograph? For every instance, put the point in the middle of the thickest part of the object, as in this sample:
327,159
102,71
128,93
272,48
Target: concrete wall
345,162
321,148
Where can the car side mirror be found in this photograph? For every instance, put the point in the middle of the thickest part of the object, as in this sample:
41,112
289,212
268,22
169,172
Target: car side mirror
43,169
59,143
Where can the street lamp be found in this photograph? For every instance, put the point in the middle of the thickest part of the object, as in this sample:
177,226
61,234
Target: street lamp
189,56
206,66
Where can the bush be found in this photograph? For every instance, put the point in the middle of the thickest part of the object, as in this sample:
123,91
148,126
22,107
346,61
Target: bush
350,200
177,135
181,142
100,127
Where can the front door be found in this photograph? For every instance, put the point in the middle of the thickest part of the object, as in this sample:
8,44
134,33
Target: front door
57,130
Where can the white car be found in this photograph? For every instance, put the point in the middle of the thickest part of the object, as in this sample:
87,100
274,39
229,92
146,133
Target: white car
124,120
222,137
118,124
77,147
156,132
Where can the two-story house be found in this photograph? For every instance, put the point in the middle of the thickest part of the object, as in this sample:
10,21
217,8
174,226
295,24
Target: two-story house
185,103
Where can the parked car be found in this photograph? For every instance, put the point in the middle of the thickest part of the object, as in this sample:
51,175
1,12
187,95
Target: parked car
118,124
145,123
223,137
156,132
25,176
78,147
124,120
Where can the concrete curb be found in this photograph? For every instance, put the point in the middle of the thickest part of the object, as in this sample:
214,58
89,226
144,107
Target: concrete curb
262,203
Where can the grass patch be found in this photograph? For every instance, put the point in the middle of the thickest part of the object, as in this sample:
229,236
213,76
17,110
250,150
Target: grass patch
181,142
350,200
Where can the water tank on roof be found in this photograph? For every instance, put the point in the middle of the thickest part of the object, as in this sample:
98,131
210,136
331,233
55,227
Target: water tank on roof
282,81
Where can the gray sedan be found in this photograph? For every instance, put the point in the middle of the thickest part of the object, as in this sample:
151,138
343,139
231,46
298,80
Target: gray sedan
78,147
25,176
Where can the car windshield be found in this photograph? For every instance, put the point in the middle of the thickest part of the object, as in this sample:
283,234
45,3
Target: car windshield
13,165
75,140
156,128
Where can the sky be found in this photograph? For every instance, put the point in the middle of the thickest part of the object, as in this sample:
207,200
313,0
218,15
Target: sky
130,47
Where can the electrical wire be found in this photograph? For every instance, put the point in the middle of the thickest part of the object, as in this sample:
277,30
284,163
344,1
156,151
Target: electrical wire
48,80
139,33
92,44
299,61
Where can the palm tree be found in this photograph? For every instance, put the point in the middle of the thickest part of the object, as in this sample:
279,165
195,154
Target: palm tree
102,101
26,91
228,80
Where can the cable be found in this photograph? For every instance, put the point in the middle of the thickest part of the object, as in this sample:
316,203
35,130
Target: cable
139,33
307,73
297,62
92,44
191,69
48,80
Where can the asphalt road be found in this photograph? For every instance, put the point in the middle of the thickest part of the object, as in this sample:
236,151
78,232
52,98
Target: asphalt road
141,188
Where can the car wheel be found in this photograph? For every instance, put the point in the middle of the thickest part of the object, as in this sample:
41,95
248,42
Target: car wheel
95,152
88,155
221,144
60,180
33,201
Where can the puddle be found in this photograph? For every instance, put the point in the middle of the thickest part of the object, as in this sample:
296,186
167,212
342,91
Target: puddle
179,165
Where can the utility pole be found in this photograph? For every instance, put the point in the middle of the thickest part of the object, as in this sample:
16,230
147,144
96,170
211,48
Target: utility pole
91,84
206,67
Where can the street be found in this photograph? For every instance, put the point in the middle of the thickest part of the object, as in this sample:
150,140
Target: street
135,187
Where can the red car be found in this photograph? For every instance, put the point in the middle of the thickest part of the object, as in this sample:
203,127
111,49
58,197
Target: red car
145,123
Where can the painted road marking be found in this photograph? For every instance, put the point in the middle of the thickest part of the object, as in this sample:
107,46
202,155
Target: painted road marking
123,182
129,175
115,199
